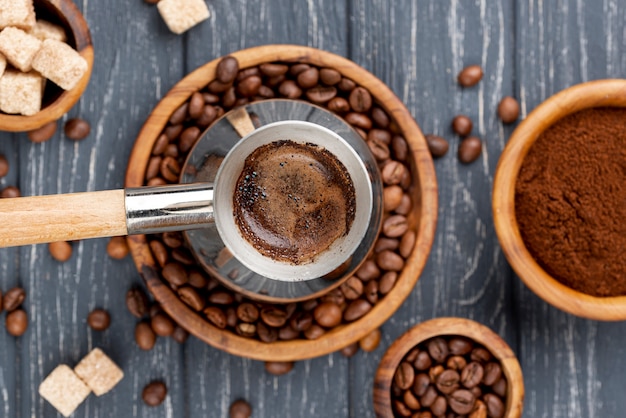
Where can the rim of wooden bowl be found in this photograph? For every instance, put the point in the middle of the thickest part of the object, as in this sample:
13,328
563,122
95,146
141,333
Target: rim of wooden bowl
599,93
425,195
77,24
449,326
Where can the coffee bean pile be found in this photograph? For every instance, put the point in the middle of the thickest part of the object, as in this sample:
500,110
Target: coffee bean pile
449,376
16,321
326,87
240,409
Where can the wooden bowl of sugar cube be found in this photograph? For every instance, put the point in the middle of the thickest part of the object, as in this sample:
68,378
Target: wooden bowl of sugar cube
46,58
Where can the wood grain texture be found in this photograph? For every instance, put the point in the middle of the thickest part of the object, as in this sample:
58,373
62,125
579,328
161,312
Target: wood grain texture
529,49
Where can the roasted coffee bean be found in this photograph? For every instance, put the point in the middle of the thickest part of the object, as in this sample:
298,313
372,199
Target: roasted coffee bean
274,316
495,407
508,109
230,98
296,69
117,248
248,72
462,125
356,309
172,132
309,305
137,302
480,355
246,330
393,172
423,361
196,105
290,89
405,205
275,81
392,197
387,282
470,149
359,120
479,410
390,261
437,145
352,288
4,166
169,169
156,181
470,75
428,398
154,393
215,316
456,362
144,335
188,138
231,317
99,320
301,321
227,69
492,373
265,92
371,341
287,333
314,332
395,226
247,312
278,368
407,243
43,133
400,409
174,273
209,114
273,70
460,346
404,376
308,78
380,118
77,129
338,105
180,334
421,384
16,322
220,297
346,84
379,149
196,279
439,407
191,297
154,309
327,315
250,86
159,252
499,388
179,115
321,94
379,135
360,100
13,298
154,165
10,192
384,243
265,333
448,381
350,350
472,374
162,325
461,401
60,250
240,409
410,400
476,391
368,271
371,292
434,372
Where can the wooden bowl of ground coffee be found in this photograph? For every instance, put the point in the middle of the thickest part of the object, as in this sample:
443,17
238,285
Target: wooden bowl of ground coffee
281,333
558,200
449,367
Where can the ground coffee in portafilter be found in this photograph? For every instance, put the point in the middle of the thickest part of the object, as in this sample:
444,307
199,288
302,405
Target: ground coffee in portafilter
293,200
230,311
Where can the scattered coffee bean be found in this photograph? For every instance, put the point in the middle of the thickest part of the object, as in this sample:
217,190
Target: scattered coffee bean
43,133
470,75
240,409
144,336
470,149
60,250
462,125
77,129
371,341
508,109
4,166
13,298
10,192
99,319
137,302
16,322
437,145
117,248
162,324
278,368
180,334
154,393
350,350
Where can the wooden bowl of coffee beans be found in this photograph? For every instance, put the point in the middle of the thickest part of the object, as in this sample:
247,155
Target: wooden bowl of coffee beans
48,75
558,200
449,366
283,332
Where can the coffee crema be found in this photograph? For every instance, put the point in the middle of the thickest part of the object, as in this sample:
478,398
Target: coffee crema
292,201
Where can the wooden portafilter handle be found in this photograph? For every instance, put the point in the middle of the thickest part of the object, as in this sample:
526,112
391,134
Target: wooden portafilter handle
75,216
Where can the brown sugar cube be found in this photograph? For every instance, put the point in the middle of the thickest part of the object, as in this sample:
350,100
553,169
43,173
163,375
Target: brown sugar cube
181,15
60,63
18,13
99,372
19,48
64,390
21,93
45,30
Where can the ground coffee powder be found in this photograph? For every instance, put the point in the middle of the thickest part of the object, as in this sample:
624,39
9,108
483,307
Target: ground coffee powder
570,201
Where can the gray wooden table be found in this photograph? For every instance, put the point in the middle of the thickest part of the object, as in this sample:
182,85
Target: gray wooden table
529,49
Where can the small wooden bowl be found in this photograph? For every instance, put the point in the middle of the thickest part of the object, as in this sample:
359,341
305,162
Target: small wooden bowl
56,102
442,327
423,219
601,93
